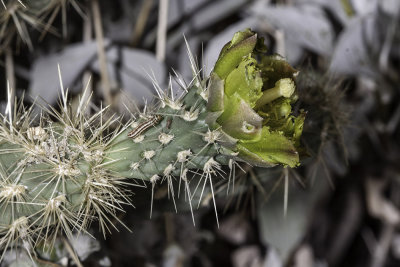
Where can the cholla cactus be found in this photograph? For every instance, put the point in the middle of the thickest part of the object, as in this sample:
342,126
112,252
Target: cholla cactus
64,170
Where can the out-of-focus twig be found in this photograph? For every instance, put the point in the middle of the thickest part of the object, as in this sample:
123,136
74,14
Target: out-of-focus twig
105,80
280,42
391,126
87,37
383,209
10,74
377,205
169,228
141,21
72,252
279,36
64,18
383,246
162,30
304,256
384,55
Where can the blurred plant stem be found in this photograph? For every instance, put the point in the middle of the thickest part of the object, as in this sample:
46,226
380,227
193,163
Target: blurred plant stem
162,30
87,34
72,252
141,21
383,245
169,227
105,80
10,73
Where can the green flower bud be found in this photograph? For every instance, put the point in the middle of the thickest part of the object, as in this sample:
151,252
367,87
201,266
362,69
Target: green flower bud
250,103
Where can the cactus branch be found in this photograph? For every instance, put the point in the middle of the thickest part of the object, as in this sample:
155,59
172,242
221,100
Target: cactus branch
65,169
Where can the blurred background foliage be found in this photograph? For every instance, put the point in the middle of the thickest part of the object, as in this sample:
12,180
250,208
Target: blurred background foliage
340,208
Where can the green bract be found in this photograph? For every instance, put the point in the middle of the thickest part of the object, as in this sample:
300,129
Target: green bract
250,101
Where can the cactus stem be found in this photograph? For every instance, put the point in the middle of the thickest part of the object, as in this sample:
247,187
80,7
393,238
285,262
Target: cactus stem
62,175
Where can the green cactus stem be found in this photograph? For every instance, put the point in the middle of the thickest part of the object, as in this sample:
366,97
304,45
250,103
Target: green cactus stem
58,175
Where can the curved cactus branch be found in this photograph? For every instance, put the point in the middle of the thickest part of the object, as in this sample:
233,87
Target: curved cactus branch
62,170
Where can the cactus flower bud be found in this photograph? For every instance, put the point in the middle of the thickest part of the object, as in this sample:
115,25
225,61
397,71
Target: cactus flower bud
250,103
